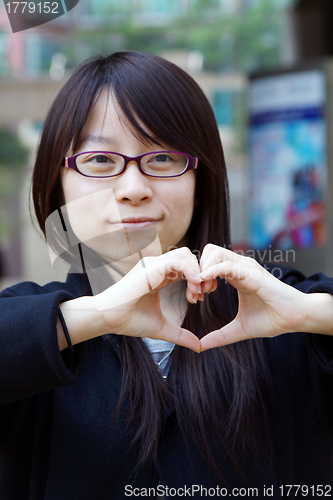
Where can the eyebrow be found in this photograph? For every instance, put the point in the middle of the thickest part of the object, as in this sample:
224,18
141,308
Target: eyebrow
99,139
108,140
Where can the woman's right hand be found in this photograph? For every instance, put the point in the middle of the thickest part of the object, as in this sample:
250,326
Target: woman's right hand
132,307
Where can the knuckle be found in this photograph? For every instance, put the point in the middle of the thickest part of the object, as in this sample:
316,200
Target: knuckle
252,261
184,252
209,247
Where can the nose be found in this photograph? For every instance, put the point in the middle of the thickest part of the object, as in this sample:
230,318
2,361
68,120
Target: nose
132,186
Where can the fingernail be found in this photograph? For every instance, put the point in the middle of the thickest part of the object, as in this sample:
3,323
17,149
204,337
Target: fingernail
194,300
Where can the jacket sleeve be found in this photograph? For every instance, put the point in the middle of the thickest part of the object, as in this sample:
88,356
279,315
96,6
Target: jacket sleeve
30,359
319,346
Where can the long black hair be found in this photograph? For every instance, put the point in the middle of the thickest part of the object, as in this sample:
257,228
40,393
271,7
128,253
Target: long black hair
217,396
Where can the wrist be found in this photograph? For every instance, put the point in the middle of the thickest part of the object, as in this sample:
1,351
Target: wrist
318,317
83,320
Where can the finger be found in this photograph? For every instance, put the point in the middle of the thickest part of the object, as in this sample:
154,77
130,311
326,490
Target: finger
172,266
224,269
213,254
154,273
177,335
209,286
186,265
240,276
229,334
189,264
179,262
195,289
191,297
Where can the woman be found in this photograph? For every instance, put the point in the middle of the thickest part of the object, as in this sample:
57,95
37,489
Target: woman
130,179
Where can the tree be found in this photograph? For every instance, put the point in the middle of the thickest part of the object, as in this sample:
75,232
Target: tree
247,39
13,157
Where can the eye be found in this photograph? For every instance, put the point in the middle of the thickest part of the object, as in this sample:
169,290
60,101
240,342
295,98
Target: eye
100,159
161,157
99,163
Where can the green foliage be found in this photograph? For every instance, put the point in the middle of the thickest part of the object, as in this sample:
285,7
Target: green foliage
243,41
13,157
12,152
9,187
248,39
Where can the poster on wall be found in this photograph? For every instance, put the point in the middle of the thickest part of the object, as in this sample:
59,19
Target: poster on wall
288,165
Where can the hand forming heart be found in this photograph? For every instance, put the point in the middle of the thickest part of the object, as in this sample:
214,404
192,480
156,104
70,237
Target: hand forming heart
267,307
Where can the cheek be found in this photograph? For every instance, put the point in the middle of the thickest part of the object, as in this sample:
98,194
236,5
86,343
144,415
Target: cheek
75,186
181,205
184,199
182,209
88,208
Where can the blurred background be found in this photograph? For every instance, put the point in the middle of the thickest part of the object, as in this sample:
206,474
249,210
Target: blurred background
265,66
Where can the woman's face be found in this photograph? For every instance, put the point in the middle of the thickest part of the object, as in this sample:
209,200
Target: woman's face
131,203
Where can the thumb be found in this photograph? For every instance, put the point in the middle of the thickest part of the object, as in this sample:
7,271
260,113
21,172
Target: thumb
178,335
229,334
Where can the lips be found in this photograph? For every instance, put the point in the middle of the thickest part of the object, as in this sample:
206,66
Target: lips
136,222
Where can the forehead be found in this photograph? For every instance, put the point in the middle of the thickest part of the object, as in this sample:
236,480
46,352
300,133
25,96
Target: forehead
106,115
107,124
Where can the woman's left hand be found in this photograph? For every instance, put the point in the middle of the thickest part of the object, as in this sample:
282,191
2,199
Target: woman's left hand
267,306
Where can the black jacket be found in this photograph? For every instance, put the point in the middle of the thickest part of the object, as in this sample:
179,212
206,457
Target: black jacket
56,409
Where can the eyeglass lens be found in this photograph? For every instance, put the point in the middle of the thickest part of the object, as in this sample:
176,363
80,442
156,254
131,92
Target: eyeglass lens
104,164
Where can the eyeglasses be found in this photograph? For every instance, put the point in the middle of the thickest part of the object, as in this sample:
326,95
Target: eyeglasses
108,164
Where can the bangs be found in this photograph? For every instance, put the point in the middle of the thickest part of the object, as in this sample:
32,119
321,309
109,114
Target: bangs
156,102
132,120
161,102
